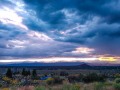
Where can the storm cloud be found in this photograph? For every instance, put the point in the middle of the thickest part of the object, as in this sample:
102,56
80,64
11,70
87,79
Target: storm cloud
59,28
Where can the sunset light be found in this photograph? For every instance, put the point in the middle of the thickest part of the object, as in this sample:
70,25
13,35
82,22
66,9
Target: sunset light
44,31
59,44
109,59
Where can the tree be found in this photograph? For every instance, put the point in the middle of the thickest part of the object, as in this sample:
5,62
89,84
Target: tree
94,77
63,73
28,72
23,72
9,73
34,73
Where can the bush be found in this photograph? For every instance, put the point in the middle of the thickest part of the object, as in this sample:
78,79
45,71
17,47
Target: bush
117,86
63,73
80,77
76,87
117,75
35,78
73,79
55,80
50,81
66,87
0,85
71,87
5,89
40,88
108,83
117,80
99,86
93,77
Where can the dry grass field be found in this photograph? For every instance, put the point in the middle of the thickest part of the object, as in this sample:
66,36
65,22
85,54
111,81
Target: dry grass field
68,86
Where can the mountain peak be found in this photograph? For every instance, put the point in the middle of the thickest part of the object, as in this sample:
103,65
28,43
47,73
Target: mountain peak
84,65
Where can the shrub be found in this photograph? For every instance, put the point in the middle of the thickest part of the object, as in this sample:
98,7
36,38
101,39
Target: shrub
6,79
5,89
76,87
0,85
93,77
117,80
117,75
73,79
66,87
35,78
40,88
14,81
14,88
80,77
57,80
50,81
99,86
71,87
117,86
63,73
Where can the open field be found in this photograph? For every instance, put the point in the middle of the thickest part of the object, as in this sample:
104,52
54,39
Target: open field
68,86
61,79
78,86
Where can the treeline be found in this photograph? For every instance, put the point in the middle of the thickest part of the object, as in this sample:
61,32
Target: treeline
91,77
24,72
87,78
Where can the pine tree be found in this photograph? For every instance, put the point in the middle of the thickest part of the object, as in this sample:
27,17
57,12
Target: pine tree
23,72
34,73
9,73
28,72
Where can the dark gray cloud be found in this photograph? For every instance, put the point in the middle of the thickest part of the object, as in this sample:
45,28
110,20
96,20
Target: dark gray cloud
43,28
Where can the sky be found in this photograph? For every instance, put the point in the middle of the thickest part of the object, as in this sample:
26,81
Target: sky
60,30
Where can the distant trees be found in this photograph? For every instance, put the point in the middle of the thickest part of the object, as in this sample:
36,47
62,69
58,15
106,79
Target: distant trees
91,77
63,73
17,72
9,73
28,72
25,73
34,73
54,80
73,79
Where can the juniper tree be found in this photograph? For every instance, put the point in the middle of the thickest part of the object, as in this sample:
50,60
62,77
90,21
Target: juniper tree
9,73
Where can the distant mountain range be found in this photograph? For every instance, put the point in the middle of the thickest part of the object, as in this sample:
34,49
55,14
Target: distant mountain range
57,65
43,64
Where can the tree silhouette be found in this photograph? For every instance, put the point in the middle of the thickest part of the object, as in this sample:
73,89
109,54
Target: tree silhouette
23,72
34,73
9,73
28,72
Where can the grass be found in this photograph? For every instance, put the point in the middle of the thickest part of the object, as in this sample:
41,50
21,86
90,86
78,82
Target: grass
78,86
40,88
99,86
71,87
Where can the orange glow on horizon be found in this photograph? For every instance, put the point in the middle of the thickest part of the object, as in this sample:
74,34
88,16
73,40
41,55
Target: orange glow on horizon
63,59
111,59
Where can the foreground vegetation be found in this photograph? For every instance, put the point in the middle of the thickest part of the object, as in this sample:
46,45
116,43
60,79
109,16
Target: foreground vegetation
77,86
31,80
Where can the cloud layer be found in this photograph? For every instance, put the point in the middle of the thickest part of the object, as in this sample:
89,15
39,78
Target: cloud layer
59,28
